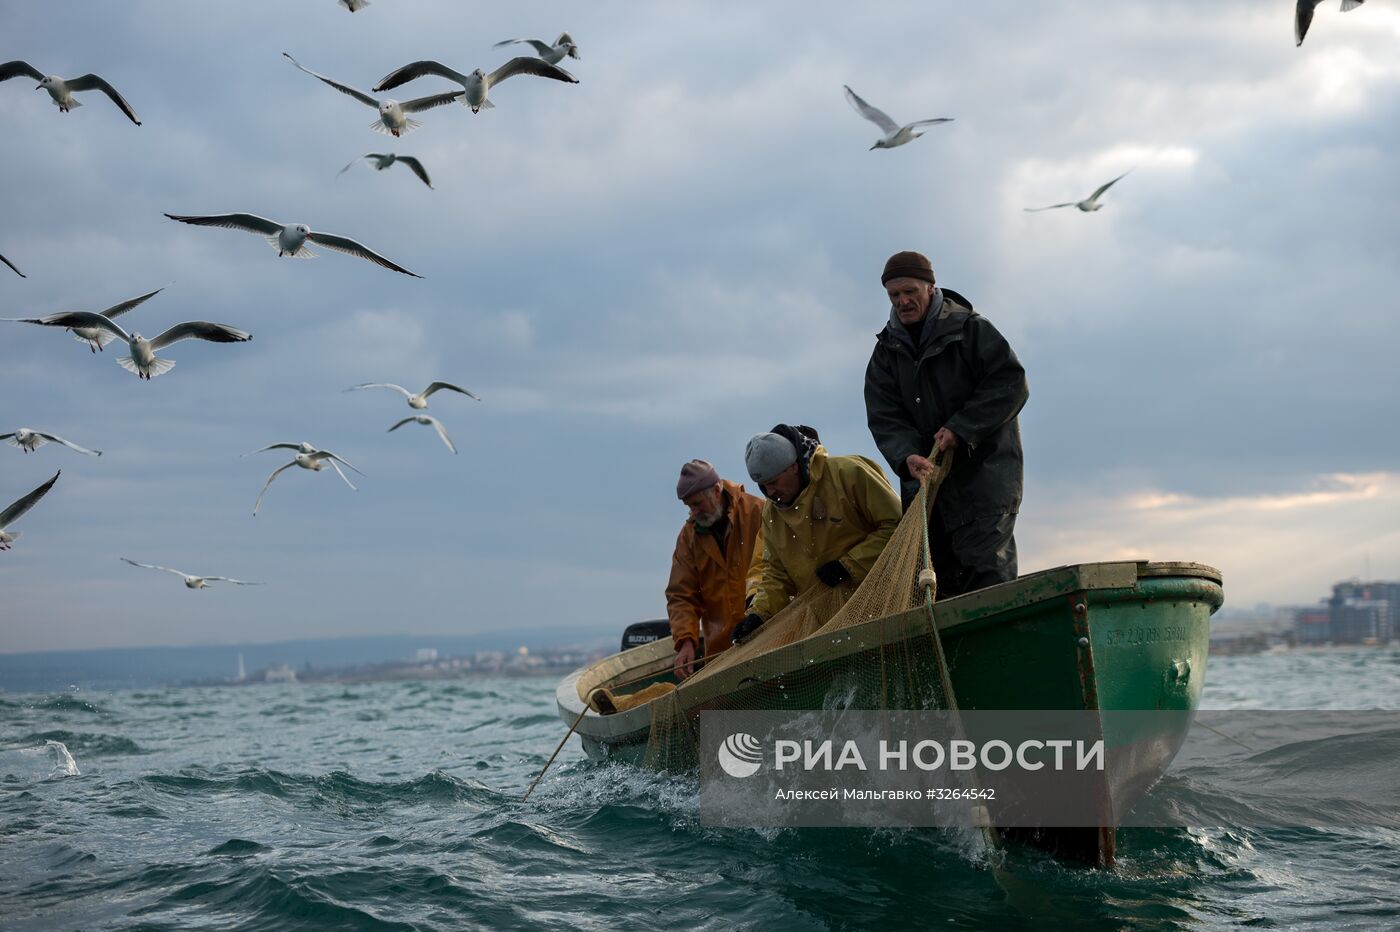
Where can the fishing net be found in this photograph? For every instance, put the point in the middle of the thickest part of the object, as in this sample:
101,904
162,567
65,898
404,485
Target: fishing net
906,672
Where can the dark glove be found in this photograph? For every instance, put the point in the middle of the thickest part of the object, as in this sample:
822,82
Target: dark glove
833,573
751,623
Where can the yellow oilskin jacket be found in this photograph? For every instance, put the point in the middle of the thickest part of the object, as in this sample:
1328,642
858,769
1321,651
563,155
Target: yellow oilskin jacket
847,512
707,589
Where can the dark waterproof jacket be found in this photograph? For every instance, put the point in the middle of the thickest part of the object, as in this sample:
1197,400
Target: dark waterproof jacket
964,376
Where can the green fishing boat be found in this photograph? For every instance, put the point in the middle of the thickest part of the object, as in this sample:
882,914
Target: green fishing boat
1093,636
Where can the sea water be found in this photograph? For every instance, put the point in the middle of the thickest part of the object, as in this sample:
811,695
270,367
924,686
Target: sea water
397,805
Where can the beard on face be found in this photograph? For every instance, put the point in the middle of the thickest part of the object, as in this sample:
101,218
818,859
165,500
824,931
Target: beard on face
709,518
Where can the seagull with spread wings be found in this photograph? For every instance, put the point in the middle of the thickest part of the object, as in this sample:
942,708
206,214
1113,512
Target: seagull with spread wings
392,113
290,239
382,160
95,338
307,457
143,359
192,582
1090,203
895,135
477,85
1302,17
31,440
18,509
61,89
553,54
419,401
427,420
13,267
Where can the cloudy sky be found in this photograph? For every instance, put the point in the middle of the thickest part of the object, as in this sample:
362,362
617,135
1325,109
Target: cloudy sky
660,261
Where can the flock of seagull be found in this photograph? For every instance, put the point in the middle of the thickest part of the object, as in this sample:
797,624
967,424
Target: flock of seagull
293,240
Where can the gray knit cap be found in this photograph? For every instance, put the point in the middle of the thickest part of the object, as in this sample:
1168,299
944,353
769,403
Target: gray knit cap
767,455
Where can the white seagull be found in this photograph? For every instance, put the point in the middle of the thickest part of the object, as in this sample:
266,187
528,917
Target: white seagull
95,338
290,239
61,90
192,582
382,160
307,457
31,440
427,420
391,112
1090,203
1302,18
554,54
478,84
419,401
143,359
354,6
17,509
895,135
12,266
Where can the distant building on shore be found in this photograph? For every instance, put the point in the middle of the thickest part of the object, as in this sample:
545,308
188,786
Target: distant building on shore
1357,613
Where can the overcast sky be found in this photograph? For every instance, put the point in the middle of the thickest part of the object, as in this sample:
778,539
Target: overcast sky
662,260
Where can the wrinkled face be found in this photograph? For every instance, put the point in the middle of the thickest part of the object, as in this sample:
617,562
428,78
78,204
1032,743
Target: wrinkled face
910,298
706,506
783,487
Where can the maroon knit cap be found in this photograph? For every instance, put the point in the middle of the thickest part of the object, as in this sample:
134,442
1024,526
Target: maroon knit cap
907,265
696,476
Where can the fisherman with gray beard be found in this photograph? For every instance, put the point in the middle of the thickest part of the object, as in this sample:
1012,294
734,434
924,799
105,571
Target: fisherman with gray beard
716,564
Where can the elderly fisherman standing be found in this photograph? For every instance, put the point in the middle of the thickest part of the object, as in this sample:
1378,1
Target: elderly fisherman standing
713,568
826,521
941,376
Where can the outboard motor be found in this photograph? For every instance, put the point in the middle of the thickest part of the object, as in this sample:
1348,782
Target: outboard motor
644,632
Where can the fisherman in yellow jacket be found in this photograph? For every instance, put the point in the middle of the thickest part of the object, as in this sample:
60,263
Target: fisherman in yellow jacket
713,568
827,518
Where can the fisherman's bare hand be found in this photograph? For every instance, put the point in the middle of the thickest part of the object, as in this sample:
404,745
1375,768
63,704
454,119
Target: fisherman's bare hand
918,466
945,440
685,659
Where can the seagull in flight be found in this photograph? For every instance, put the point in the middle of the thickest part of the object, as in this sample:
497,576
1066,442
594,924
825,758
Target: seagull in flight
97,337
17,510
1090,203
12,266
31,440
427,420
553,54
143,359
354,6
382,160
192,582
1302,18
61,90
392,119
895,135
307,457
419,401
477,85
290,239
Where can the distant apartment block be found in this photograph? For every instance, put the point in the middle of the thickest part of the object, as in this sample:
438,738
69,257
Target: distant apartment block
1357,613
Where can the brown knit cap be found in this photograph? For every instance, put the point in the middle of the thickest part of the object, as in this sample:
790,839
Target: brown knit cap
908,265
696,476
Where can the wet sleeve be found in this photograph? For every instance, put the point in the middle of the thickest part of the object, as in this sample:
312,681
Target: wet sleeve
775,588
1001,390
683,603
889,422
878,503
